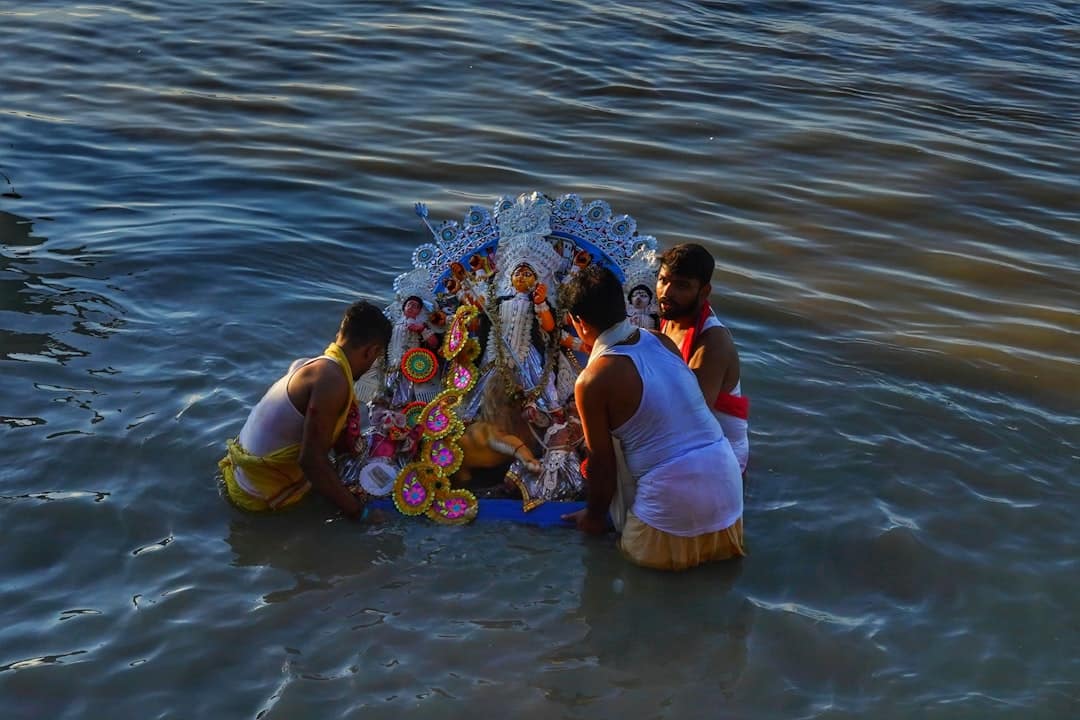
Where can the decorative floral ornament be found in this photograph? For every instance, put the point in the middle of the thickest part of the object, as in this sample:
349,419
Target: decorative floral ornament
445,454
426,255
414,488
412,413
453,507
569,205
477,216
597,213
458,335
469,353
462,377
642,243
438,419
623,227
448,232
419,365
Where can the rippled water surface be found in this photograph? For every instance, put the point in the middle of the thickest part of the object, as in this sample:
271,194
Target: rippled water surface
190,192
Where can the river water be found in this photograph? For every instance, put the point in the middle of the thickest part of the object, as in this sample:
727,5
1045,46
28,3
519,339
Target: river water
191,191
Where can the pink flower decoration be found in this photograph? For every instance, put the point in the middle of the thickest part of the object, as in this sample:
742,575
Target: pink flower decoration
442,455
455,508
437,421
415,493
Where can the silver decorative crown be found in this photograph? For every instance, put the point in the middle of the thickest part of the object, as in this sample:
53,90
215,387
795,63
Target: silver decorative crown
641,269
610,239
524,226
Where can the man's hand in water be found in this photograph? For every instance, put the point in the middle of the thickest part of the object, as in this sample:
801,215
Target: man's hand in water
587,523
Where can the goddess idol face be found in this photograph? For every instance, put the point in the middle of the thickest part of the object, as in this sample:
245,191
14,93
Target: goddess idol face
523,278
640,297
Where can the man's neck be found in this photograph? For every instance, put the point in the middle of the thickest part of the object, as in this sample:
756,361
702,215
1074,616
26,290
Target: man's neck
350,356
685,323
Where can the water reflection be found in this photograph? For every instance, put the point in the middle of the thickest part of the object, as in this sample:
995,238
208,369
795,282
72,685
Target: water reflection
663,630
37,290
52,313
300,542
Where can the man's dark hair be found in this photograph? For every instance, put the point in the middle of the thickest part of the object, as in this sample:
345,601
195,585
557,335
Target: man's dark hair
365,323
689,260
595,295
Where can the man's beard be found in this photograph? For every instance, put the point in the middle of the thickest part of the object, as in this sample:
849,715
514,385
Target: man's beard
672,311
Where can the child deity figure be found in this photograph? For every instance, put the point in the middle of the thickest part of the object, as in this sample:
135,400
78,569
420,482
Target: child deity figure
411,330
640,308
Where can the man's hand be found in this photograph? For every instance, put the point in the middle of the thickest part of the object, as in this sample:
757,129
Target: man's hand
587,523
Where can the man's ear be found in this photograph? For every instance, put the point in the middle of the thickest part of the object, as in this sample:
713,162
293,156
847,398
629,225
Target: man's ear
373,351
706,291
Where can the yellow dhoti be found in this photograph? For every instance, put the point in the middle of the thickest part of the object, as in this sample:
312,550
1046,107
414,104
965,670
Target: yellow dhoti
275,480
649,547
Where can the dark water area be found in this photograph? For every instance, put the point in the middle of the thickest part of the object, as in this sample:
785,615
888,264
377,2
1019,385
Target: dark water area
190,192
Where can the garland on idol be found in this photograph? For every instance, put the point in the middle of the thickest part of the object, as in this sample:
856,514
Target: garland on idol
423,486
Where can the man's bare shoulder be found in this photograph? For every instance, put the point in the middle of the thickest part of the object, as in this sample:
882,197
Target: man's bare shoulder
323,373
605,371
716,342
665,341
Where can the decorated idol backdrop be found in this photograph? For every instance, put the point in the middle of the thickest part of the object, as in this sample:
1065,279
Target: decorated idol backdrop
481,365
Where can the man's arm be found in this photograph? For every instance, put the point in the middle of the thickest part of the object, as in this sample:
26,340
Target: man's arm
716,364
327,400
591,395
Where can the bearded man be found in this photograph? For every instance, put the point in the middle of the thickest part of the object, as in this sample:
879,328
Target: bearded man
683,286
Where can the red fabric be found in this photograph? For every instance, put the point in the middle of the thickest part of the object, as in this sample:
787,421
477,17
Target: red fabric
734,405
347,442
692,333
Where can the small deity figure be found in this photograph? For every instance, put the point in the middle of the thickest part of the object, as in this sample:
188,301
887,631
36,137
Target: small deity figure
527,330
437,322
582,259
389,443
466,289
412,329
390,435
559,476
641,309
482,267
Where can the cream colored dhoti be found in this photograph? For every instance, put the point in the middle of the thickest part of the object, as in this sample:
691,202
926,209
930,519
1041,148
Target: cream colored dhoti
649,547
